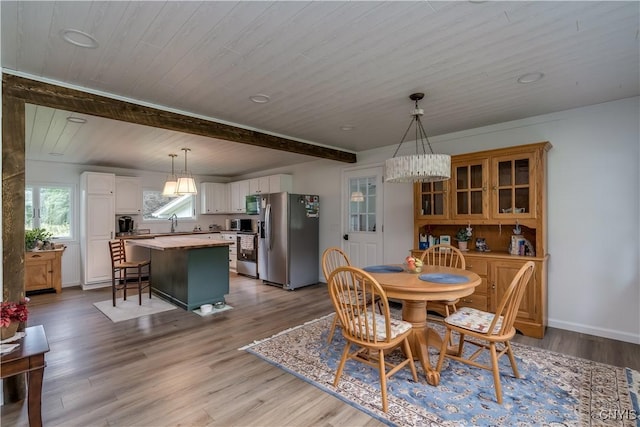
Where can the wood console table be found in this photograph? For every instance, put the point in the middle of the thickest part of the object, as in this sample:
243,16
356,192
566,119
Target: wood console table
29,358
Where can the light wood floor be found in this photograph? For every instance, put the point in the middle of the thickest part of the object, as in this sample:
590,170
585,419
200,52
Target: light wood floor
177,368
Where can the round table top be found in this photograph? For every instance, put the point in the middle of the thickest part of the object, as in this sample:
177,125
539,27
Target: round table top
409,286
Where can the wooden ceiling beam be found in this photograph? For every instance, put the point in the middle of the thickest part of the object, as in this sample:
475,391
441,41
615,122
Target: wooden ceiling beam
54,96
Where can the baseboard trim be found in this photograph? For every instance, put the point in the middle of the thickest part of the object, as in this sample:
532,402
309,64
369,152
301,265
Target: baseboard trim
599,332
91,286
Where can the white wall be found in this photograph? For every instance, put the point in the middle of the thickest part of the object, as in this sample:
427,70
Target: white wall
593,200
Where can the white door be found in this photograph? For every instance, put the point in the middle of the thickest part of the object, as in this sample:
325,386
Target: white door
362,215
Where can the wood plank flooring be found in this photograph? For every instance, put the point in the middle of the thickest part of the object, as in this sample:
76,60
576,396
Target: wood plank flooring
177,368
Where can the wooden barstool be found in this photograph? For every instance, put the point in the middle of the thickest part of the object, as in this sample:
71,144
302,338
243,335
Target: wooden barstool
120,272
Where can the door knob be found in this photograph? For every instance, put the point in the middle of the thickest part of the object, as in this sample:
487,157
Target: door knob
345,237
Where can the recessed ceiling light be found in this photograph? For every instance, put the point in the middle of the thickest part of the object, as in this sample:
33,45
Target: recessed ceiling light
347,128
79,38
73,119
530,77
260,98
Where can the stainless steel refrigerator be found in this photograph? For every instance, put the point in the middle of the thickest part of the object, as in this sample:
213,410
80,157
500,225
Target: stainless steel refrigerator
288,246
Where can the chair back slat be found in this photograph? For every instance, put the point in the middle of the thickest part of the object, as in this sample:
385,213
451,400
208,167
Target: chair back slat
444,256
118,254
333,258
350,288
510,302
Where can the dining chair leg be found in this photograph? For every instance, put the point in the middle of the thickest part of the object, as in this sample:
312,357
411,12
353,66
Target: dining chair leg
383,380
496,372
343,359
409,355
139,285
113,289
443,350
512,359
332,330
149,281
460,345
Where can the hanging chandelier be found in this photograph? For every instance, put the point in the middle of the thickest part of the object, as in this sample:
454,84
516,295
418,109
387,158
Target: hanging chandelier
186,184
170,185
419,167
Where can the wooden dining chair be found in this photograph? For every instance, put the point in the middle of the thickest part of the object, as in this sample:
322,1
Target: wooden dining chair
121,278
372,333
445,256
486,330
333,258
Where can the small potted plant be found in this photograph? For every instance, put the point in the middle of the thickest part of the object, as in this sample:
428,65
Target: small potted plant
11,314
463,236
36,238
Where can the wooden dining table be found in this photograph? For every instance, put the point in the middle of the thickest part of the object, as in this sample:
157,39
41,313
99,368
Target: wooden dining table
414,292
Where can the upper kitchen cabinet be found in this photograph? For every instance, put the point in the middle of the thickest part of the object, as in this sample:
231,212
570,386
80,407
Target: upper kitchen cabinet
239,190
128,195
214,198
514,185
271,184
280,182
259,185
99,183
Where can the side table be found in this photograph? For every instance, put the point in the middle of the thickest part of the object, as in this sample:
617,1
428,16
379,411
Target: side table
29,358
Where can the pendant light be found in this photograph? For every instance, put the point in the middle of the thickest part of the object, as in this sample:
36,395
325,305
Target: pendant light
357,196
170,185
419,167
186,183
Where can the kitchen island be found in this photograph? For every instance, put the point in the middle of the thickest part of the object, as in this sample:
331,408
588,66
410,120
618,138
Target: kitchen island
188,271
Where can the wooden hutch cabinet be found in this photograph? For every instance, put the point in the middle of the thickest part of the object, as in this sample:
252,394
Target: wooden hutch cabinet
493,191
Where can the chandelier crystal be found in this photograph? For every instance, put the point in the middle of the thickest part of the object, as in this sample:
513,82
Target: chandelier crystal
419,167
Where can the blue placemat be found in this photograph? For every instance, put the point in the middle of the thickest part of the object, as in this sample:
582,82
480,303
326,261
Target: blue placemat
443,278
383,269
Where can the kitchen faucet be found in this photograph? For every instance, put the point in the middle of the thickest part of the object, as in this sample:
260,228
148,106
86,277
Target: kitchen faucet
174,222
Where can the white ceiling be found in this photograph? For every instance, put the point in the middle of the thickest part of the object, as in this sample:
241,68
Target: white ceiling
324,65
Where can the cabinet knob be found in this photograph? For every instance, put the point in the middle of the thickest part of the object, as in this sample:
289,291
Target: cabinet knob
493,286
467,300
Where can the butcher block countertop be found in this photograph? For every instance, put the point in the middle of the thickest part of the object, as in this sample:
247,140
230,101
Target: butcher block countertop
178,242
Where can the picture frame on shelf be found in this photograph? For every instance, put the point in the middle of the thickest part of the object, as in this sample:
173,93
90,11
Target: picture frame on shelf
445,240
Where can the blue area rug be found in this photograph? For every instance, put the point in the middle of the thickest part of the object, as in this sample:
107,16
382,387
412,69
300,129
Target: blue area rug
554,389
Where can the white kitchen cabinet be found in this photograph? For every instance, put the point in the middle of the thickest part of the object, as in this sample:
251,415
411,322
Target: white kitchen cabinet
280,182
128,195
97,225
233,250
259,185
214,198
239,191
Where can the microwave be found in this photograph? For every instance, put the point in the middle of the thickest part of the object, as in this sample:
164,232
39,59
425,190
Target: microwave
242,225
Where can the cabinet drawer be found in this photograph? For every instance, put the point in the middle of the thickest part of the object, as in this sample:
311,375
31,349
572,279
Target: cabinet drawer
474,301
39,256
478,266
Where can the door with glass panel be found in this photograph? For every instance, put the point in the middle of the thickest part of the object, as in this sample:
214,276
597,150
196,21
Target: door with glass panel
470,181
363,197
513,186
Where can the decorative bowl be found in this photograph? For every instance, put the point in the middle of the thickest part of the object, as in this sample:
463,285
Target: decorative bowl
414,270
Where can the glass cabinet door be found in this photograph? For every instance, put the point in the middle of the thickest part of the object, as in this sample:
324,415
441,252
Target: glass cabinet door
513,187
470,180
431,199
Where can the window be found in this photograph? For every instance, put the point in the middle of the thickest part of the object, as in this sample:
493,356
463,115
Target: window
49,207
156,206
362,214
